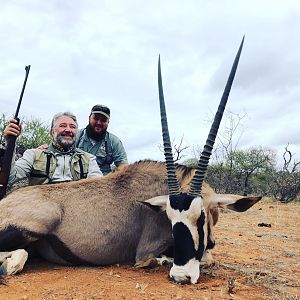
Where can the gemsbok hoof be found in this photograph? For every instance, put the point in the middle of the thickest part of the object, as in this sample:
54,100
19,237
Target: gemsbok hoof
150,262
181,280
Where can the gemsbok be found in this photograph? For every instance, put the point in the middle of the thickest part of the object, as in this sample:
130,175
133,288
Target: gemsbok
134,215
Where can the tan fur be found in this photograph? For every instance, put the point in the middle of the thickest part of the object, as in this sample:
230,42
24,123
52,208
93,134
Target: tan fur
45,205
92,217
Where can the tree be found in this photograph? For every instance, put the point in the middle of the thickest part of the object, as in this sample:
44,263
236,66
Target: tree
247,163
178,149
248,171
229,137
34,133
220,173
3,122
239,171
285,184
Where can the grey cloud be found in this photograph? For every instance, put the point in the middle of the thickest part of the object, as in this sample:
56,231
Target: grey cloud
87,52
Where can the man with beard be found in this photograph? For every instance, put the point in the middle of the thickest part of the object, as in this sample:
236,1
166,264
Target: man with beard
60,162
96,140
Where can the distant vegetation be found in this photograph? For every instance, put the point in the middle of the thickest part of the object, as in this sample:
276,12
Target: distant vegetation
231,170
252,171
34,133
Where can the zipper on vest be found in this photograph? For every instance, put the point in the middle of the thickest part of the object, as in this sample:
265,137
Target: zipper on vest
64,169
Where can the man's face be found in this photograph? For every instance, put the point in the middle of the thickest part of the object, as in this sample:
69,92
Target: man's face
64,132
98,123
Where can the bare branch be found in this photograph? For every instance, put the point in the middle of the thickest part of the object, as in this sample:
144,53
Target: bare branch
178,149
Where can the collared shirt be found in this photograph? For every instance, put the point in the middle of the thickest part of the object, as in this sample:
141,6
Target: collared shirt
108,151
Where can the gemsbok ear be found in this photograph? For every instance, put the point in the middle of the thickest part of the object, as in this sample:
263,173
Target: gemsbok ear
233,202
159,201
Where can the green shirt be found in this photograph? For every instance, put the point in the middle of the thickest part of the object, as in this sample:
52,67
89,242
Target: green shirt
108,151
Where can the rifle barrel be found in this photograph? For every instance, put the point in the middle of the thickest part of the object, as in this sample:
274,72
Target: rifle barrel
10,147
27,69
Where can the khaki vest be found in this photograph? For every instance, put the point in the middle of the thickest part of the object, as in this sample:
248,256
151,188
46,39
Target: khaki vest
39,174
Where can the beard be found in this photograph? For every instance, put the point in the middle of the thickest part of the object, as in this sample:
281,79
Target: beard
91,133
64,143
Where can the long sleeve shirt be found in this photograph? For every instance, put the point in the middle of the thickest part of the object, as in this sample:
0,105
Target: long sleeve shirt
22,168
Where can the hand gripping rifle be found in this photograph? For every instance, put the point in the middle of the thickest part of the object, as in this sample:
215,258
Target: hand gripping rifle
10,146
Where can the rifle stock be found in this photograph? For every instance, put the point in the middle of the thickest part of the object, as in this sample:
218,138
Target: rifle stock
10,146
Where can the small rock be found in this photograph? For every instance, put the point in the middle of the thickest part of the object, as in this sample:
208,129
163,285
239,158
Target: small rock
264,225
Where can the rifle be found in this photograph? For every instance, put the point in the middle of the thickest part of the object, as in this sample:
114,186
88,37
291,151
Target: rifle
10,146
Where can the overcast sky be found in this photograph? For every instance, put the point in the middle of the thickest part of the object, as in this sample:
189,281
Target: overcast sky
91,52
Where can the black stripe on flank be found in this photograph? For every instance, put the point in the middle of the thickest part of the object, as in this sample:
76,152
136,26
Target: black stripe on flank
181,202
184,249
200,224
62,250
12,238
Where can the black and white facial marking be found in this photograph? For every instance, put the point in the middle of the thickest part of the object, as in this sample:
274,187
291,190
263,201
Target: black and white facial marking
189,228
210,238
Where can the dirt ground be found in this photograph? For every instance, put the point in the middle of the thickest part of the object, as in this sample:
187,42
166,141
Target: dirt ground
252,262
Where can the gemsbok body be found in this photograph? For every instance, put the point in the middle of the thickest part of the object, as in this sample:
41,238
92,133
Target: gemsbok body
134,215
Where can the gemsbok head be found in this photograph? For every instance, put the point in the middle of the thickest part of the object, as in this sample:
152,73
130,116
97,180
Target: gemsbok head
188,211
